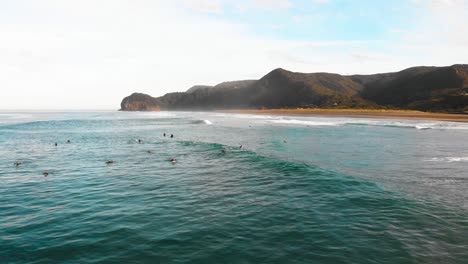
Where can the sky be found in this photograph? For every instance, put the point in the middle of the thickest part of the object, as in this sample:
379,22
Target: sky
89,54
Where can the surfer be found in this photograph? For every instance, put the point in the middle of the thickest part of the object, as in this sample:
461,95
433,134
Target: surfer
109,162
45,173
173,160
56,144
18,163
68,141
140,141
240,147
172,136
164,134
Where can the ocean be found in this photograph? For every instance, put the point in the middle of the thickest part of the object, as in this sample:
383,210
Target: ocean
244,189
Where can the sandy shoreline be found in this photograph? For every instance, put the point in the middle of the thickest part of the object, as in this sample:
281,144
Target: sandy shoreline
358,113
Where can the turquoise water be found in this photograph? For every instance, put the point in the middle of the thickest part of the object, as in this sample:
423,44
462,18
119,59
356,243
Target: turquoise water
300,190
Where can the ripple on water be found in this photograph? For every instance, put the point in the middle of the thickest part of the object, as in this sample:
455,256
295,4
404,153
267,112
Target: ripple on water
236,206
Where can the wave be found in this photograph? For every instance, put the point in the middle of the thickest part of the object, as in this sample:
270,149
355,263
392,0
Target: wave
267,199
372,122
14,116
33,117
419,125
422,127
150,114
305,122
203,121
246,116
449,159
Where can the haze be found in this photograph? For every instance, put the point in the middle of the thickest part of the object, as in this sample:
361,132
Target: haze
90,54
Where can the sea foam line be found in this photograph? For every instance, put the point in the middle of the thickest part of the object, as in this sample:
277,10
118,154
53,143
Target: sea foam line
373,122
449,159
305,122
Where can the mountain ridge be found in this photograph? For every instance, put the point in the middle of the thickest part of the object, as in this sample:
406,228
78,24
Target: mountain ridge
425,88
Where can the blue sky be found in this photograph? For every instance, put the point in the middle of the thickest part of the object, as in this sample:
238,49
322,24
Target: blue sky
89,54
321,20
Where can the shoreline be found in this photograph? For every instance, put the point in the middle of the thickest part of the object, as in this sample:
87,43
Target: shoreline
357,113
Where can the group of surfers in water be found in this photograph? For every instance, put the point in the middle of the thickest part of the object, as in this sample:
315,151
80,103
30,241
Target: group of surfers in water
109,162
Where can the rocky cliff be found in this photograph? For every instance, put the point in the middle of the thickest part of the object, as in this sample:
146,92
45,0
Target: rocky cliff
140,102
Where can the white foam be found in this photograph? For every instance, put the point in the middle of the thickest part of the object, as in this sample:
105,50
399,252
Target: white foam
305,122
15,116
333,121
151,114
247,116
422,127
441,125
337,121
449,159
202,121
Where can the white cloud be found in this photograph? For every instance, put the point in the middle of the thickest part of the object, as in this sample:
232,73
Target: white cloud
86,54
366,56
272,4
301,19
90,54
440,35
321,1
205,6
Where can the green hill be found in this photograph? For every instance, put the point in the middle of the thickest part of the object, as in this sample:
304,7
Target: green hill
442,89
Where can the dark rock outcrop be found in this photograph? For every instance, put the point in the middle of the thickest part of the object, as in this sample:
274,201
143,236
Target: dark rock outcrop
140,102
422,88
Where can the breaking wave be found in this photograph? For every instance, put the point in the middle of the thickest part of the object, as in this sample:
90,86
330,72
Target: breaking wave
371,122
449,159
203,121
306,122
